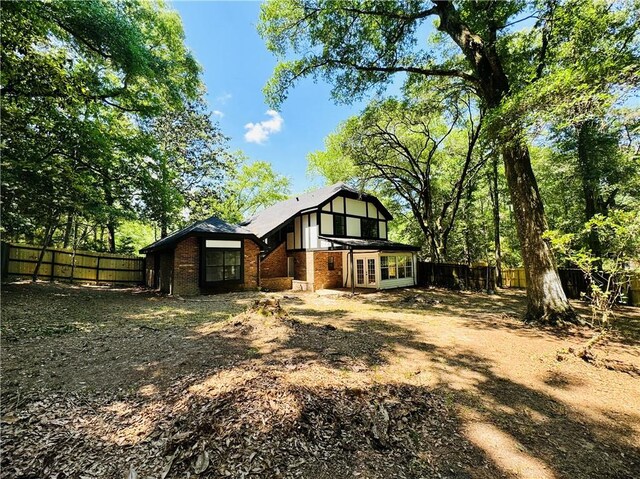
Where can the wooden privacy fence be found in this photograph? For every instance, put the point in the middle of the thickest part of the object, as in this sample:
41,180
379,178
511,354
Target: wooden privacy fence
456,276
573,282
460,276
20,260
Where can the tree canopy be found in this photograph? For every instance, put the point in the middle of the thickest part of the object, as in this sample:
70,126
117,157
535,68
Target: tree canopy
515,71
102,119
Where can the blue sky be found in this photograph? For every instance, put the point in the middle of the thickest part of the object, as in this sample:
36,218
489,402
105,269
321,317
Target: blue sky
236,66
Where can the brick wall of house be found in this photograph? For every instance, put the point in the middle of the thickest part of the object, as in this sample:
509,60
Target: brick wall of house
276,284
299,265
251,252
323,277
186,267
275,264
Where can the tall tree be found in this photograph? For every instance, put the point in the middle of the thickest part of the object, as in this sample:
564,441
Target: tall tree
248,187
358,45
424,154
78,79
187,163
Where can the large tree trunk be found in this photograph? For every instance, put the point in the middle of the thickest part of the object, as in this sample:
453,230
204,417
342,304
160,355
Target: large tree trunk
495,206
111,236
546,298
67,231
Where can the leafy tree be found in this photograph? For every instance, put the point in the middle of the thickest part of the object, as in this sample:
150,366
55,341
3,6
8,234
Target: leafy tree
248,188
187,163
608,276
425,155
359,45
78,80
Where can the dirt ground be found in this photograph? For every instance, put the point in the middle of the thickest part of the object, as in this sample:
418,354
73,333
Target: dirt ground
417,383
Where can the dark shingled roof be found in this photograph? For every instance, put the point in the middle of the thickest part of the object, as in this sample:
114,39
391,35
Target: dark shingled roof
277,215
210,225
377,244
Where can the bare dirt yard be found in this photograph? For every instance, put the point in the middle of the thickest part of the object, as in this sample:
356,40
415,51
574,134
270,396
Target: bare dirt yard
419,383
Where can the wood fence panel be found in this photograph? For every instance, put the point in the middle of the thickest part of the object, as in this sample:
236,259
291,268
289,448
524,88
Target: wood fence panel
455,276
79,266
514,278
634,292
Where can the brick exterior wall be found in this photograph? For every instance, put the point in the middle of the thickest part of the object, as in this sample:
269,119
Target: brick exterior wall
299,265
275,264
276,284
323,277
186,267
251,252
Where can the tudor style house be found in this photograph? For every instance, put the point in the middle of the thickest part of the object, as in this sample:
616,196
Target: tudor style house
332,237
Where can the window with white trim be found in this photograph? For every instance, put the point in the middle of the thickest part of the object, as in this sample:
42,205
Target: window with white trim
396,267
222,263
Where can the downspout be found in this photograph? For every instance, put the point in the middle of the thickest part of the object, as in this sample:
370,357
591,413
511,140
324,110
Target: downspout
258,268
353,283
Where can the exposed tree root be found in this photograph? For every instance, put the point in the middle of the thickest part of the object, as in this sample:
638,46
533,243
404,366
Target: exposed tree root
586,354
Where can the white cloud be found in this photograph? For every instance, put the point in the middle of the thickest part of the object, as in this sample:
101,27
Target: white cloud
218,113
260,132
224,98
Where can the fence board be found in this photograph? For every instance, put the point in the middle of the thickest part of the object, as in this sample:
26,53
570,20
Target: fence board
634,292
460,276
57,263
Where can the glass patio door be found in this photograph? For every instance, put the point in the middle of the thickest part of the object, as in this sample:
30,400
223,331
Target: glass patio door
366,275
360,272
371,272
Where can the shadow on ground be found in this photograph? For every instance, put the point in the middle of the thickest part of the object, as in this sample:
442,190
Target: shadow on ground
282,397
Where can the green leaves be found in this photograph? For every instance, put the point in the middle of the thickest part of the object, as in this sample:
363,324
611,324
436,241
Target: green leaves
80,79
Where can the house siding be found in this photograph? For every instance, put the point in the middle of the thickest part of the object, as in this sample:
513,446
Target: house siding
276,284
251,258
165,281
149,270
299,265
179,269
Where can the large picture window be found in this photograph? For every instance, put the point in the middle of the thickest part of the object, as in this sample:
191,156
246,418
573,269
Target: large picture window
369,228
396,267
223,264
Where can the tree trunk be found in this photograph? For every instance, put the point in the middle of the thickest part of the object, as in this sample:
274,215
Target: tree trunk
45,243
164,228
589,179
111,227
111,236
495,204
546,298
67,231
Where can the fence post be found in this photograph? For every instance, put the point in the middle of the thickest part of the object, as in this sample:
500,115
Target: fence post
4,259
53,264
98,271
